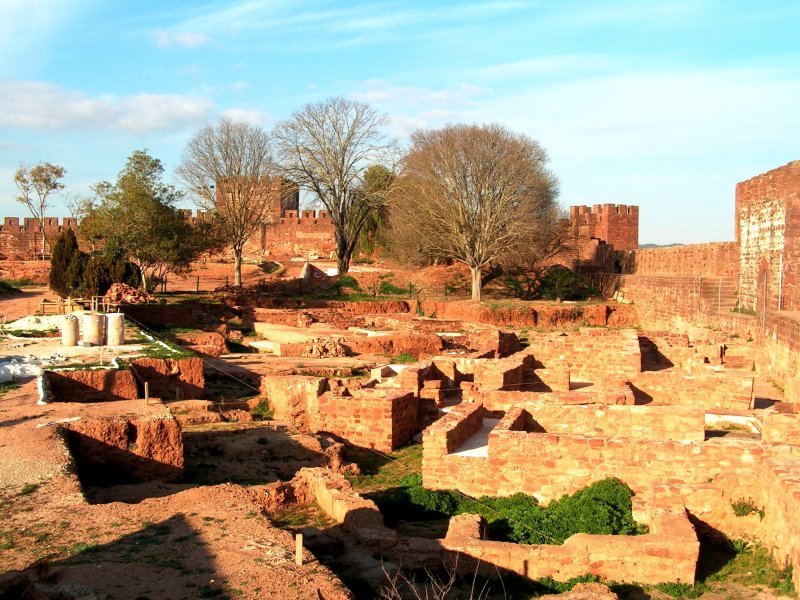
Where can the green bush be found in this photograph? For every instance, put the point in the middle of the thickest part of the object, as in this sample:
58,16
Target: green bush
262,411
559,283
103,271
345,281
602,508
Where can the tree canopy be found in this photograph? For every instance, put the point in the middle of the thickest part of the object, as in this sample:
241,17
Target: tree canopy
476,194
136,217
36,184
327,148
227,168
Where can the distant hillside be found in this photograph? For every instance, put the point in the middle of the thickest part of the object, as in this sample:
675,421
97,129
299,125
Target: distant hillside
646,246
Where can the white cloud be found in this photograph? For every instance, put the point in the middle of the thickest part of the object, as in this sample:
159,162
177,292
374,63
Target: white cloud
183,39
42,105
254,117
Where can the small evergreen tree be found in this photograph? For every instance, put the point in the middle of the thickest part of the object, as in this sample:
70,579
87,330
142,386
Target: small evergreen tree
66,264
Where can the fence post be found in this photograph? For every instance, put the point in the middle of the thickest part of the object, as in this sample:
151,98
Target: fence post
197,287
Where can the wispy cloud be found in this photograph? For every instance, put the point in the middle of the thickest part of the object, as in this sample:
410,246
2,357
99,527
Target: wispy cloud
252,116
42,105
183,39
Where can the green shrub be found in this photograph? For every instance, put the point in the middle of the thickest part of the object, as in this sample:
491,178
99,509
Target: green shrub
262,411
345,281
743,507
602,508
559,283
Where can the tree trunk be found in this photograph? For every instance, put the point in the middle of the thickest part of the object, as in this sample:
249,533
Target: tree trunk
476,283
237,267
144,279
343,254
41,228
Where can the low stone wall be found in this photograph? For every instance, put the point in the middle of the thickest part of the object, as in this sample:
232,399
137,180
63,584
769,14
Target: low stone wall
380,419
96,385
529,314
505,374
383,419
170,378
667,554
708,389
120,449
589,354
673,423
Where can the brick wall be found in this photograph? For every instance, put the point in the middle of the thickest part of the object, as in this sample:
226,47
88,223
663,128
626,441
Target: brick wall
378,419
768,232
616,224
589,354
383,419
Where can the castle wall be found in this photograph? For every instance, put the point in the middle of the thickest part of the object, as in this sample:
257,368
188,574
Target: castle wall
719,259
21,239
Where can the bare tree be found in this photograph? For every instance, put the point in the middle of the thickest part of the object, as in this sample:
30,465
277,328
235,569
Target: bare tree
227,167
326,148
478,194
36,184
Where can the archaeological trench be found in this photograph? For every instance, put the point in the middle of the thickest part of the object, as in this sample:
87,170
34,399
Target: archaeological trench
168,478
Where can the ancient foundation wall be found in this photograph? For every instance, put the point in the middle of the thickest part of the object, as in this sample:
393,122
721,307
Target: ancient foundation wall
667,554
566,462
122,449
383,419
707,389
589,354
97,385
372,418
171,378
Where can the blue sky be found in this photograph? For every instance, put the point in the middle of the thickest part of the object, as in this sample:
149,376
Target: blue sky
662,104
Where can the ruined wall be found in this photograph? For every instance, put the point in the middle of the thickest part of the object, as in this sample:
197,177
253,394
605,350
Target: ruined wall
374,418
589,354
566,462
97,385
21,239
768,232
616,224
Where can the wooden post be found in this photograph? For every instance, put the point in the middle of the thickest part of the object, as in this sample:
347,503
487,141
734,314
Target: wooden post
197,287
146,392
298,549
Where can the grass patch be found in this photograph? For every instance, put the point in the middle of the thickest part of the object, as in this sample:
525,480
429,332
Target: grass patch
28,489
262,411
8,386
383,471
404,358
32,333
297,517
155,350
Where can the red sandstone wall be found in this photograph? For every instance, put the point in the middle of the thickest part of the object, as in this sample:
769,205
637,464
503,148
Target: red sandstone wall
589,354
375,419
720,259
768,232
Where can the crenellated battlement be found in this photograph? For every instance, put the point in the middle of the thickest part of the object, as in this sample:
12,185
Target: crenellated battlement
616,224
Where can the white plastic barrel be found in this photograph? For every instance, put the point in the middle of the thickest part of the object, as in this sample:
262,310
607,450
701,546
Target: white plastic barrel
115,329
94,331
69,330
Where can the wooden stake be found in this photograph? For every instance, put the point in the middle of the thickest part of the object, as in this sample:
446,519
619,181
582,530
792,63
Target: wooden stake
146,392
298,549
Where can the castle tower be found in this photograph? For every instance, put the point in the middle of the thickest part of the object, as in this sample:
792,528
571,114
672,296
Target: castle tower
615,224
